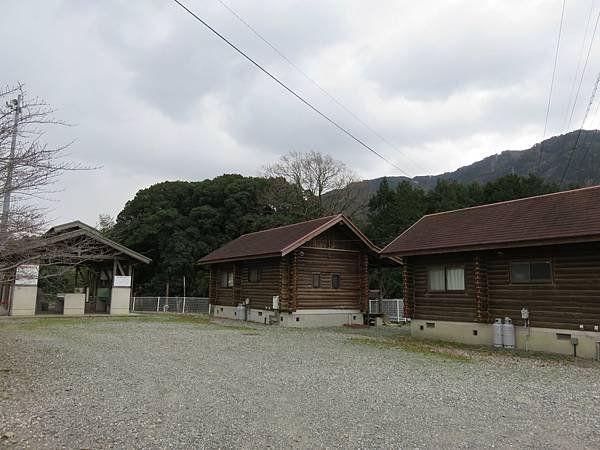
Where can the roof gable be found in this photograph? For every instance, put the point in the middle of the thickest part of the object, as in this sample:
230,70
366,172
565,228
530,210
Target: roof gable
77,228
549,218
280,241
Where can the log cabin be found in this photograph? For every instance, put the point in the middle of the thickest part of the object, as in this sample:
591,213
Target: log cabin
537,257
313,273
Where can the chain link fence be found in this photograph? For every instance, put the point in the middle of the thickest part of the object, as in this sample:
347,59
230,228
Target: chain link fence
393,308
180,305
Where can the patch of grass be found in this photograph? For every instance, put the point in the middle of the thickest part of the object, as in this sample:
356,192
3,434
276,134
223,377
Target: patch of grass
48,323
415,346
470,352
490,351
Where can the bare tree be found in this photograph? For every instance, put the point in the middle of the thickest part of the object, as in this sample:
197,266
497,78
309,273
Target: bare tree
29,168
105,223
320,184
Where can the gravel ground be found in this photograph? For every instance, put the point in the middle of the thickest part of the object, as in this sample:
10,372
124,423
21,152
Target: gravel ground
139,383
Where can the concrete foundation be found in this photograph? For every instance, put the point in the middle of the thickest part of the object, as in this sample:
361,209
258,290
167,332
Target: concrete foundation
74,305
539,339
119,300
23,301
299,319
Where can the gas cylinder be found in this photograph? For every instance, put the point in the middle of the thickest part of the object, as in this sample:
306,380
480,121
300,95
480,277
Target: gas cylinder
498,333
508,333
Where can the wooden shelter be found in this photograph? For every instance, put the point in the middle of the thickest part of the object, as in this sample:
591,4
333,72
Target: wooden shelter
312,273
105,288
534,260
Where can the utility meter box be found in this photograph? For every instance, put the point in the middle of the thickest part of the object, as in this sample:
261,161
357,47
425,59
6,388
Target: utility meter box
524,313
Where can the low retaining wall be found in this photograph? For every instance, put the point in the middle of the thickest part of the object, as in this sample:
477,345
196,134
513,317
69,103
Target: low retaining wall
300,319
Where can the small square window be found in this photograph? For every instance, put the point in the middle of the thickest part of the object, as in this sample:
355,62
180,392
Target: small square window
436,278
531,272
335,281
316,280
519,272
226,279
254,275
541,271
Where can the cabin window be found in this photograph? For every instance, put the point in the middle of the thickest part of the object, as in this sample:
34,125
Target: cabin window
227,279
254,274
316,279
531,272
446,278
335,281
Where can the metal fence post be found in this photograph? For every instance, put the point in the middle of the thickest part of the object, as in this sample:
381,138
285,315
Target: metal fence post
398,316
157,304
183,308
133,305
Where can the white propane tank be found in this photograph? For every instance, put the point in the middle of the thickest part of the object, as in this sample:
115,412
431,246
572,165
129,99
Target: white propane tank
508,333
498,333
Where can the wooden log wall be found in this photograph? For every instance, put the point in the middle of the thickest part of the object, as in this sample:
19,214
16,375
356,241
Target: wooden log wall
222,295
328,262
408,287
481,289
570,300
451,306
261,292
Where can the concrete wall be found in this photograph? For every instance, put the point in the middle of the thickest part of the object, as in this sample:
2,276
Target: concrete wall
119,300
74,305
310,318
23,301
299,319
539,339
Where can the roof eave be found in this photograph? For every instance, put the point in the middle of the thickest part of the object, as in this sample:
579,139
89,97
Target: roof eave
494,246
204,262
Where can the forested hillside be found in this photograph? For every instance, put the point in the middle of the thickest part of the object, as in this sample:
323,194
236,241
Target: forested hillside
547,160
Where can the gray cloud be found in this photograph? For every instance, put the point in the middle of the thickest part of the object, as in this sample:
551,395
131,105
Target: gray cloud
154,96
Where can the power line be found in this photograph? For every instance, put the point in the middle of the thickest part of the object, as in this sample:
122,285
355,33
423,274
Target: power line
315,83
581,49
290,90
587,111
562,14
584,68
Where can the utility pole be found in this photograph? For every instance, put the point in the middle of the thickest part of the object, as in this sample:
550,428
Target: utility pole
16,104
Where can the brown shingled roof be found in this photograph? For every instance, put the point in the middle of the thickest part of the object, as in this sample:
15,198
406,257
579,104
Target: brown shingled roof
562,217
279,241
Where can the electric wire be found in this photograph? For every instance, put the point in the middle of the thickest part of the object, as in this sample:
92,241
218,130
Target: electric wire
583,71
290,90
579,59
560,27
318,85
587,111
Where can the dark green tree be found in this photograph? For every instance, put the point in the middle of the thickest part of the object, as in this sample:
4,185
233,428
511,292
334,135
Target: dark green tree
176,223
392,211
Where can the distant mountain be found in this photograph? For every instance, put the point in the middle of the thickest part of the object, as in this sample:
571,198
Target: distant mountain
584,169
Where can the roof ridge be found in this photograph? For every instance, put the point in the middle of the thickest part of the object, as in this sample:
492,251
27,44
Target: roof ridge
488,205
290,225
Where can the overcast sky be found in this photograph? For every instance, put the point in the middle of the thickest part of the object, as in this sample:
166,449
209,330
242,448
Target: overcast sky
153,96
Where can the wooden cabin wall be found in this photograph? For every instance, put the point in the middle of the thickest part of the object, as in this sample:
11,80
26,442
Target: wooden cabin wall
450,306
221,295
570,300
337,237
347,264
261,292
